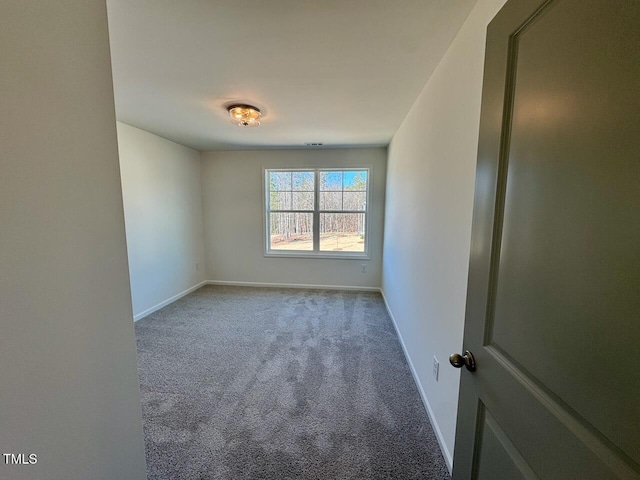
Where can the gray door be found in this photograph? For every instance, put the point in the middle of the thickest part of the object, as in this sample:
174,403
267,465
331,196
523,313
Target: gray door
553,306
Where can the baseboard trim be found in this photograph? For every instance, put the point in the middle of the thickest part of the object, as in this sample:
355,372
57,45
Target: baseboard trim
443,446
166,302
293,285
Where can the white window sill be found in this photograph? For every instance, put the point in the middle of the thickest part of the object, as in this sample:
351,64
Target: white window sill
332,256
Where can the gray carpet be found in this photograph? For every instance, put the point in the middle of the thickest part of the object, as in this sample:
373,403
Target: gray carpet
256,383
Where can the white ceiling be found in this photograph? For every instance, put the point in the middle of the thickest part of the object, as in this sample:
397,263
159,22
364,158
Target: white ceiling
342,72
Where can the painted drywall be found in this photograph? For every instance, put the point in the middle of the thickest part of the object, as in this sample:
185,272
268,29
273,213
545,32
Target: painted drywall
68,378
162,197
429,202
232,188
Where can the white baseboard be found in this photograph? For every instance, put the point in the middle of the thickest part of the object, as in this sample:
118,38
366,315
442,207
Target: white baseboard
293,285
166,302
443,446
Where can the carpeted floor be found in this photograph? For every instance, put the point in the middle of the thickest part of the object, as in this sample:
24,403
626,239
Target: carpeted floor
275,384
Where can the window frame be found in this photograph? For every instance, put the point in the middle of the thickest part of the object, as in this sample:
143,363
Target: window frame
316,252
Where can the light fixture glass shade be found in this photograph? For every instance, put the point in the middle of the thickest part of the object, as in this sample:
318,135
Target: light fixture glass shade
244,115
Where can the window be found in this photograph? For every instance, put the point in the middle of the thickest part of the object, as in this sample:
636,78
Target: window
317,211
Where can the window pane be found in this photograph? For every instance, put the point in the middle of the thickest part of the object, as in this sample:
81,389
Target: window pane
279,181
280,201
330,200
291,231
355,180
303,181
302,201
342,232
355,201
331,181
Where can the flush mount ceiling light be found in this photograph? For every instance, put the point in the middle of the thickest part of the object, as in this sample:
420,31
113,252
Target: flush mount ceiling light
244,115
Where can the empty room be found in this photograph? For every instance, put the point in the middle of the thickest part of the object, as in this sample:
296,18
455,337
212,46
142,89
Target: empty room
319,239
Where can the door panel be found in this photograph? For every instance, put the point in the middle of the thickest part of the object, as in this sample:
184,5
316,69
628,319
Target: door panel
553,305
499,457
567,276
555,443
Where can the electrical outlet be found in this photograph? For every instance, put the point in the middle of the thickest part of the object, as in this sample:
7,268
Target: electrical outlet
364,268
436,368
197,267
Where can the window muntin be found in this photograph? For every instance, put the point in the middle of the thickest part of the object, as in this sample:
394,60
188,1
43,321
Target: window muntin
317,211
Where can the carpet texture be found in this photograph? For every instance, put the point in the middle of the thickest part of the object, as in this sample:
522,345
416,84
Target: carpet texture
275,384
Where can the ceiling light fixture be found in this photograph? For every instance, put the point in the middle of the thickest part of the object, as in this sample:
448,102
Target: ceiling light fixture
244,115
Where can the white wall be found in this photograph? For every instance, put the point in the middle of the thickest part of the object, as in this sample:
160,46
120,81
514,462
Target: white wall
430,185
162,196
68,377
233,206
